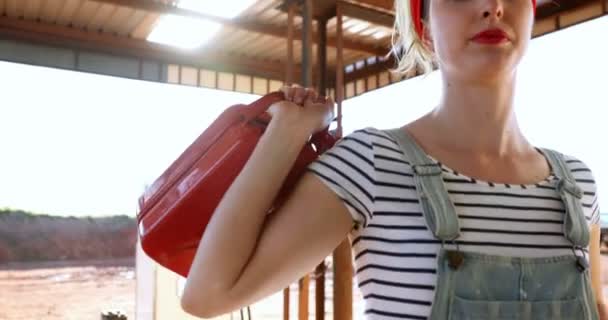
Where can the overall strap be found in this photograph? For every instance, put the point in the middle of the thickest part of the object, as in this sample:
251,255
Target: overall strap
438,209
575,224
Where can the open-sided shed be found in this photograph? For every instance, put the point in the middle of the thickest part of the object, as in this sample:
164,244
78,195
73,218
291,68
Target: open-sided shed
341,47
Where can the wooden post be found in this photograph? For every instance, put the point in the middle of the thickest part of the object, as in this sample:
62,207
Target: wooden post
343,284
303,286
304,283
339,66
290,31
322,90
320,291
307,42
289,81
322,56
286,303
342,257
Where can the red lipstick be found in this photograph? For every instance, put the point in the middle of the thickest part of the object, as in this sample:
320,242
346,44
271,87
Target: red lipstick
491,36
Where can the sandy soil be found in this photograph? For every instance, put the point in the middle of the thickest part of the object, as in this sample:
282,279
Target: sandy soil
83,290
67,291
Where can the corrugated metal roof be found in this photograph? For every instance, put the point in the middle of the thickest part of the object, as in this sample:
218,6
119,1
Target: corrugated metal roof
253,43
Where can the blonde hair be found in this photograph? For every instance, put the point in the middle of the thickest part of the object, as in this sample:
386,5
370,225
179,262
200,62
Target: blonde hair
407,47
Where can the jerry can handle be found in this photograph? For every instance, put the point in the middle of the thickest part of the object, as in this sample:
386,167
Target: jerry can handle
322,140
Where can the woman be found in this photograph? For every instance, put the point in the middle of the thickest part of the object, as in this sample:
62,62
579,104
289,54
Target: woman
509,216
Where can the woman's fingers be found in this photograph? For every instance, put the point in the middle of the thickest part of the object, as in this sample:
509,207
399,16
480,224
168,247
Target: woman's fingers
285,90
299,95
289,91
316,110
314,96
311,97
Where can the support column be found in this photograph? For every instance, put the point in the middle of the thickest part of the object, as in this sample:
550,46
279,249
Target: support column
322,90
289,81
339,66
291,12
307,67
322,56
307,33
342,257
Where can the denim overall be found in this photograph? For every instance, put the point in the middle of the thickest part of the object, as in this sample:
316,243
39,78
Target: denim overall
474,286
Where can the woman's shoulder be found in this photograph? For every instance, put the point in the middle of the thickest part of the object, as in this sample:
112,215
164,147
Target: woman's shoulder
373,136
583,175
579,168
378,141
581,172
367,133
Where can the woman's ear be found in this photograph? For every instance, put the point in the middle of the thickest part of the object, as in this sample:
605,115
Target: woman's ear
427,38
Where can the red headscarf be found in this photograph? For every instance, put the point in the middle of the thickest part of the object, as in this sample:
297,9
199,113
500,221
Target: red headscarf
416,8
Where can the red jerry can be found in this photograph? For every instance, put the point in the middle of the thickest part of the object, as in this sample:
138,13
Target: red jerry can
175,210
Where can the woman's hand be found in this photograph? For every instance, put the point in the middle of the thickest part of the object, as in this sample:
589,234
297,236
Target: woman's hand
303,108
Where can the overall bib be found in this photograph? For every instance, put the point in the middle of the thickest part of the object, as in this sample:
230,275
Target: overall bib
475,286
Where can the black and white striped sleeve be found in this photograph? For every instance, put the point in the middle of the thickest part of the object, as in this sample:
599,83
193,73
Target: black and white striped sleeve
348,170
585,179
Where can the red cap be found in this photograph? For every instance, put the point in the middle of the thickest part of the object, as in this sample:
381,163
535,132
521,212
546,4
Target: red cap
416,8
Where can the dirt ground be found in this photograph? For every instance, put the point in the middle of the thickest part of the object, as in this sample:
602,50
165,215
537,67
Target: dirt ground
81,291
67,291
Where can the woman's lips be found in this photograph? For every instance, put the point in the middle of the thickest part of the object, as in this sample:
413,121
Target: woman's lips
491,36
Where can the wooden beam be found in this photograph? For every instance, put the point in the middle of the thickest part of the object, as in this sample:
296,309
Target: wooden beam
368,14
243,24
383,4
369,70
60,36
557,7
350,9
323,9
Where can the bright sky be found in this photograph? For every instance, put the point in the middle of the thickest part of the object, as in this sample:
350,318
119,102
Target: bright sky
81,144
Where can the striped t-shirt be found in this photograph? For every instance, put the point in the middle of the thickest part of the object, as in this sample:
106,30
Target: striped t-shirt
395,252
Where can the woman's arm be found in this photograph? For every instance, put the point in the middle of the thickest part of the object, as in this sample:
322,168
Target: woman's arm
596,270
246,255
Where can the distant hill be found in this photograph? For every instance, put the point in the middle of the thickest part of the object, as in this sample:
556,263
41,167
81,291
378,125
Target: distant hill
26,237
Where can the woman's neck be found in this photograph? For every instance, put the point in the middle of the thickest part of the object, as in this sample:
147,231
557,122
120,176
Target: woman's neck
478,117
